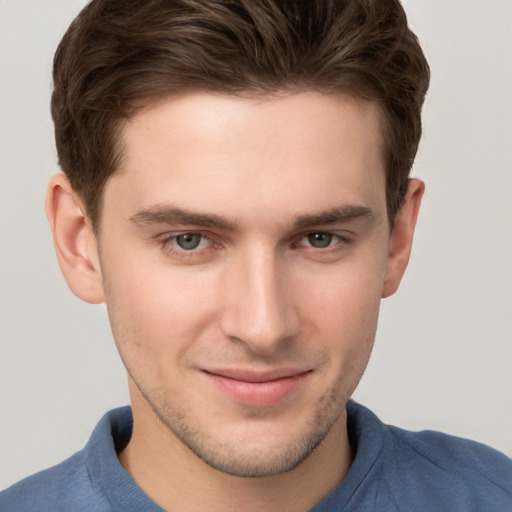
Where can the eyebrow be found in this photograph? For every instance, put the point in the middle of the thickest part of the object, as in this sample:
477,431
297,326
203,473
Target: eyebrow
172,215
337,215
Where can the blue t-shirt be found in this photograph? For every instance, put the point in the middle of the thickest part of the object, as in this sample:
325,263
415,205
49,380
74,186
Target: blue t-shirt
393,470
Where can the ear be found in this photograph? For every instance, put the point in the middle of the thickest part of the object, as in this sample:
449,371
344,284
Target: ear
74,241
402,232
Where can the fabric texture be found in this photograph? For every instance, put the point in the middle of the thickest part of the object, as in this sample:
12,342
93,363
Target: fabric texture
394,470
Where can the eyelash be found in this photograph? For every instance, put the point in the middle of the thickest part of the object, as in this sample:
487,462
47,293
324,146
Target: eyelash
341,240
168,245
176,251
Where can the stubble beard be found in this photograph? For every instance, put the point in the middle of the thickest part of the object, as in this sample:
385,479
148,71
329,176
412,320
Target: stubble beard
233,458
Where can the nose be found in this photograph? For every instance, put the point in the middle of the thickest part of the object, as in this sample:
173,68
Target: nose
258,308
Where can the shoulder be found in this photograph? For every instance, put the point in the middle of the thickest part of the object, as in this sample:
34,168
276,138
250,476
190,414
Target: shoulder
82,482
455,455
454,472
65,486
436,471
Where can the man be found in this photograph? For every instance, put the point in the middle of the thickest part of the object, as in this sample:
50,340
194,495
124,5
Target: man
236,189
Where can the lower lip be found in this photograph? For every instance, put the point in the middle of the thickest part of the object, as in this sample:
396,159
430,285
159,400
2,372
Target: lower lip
258,394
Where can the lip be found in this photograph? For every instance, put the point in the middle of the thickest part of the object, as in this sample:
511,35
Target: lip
257,389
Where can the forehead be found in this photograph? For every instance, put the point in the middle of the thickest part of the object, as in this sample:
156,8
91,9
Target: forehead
272,155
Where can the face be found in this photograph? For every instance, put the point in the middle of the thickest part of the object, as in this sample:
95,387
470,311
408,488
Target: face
243,248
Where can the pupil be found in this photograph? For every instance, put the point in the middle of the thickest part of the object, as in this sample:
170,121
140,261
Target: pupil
320,240
188,241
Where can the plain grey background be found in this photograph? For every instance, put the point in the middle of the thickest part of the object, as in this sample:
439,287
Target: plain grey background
443,355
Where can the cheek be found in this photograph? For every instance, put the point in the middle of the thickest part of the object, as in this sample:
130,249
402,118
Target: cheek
155,310
344,309
348,295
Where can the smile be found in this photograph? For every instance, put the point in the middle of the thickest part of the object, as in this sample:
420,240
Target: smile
257,389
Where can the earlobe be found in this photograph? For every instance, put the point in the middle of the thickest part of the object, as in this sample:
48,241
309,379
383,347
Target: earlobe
402,233
74,241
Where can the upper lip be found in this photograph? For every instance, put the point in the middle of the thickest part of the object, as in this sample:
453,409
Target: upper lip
254,375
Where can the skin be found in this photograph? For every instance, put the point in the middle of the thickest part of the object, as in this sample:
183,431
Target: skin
289,254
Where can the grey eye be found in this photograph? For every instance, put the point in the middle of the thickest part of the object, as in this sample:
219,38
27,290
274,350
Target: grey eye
189,241
320,240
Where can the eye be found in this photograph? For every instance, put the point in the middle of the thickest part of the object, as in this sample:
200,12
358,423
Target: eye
319,240
189,247
323,245
190,241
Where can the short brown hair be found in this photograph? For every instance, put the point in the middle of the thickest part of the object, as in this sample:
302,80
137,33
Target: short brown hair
120,55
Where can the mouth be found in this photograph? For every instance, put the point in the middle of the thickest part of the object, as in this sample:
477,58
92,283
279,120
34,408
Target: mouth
257,389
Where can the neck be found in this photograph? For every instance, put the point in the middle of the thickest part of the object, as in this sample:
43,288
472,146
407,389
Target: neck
176,479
